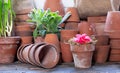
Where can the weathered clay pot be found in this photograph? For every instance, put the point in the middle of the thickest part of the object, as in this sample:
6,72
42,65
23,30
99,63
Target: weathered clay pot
47,56
66,53
55,5
74,14
31,54
38,39
82,55
85,27
114,57
71,26
65,35
102,39
23,33
8,49
26,40
115,43
22,17
97,19
112,21
115,51
52,39
101,53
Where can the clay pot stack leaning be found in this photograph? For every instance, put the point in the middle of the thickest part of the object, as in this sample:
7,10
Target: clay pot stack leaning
112,28
73,20
65,35
40,54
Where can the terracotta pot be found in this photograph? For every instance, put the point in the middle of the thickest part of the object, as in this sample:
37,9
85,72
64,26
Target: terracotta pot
82,55
115,43
26,52
101,53
102,40
66,53
112,21
74,14
31,53
67,34
38,39
85,27
115,51
52,39
47,56
99,28
22,17
114,34
26,40
55,5
71,26
114,58
23,33
8,47
97,19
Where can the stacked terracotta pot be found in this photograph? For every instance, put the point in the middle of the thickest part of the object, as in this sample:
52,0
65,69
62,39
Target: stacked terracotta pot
102,46
112,28
40,54
22,27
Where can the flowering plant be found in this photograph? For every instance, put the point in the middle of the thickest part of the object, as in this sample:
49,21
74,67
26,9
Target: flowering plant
81,39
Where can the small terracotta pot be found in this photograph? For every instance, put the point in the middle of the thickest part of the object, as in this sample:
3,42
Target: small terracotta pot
97,19
47,56
26,40
52,39
38,39
85,27
115,43
115,51
22,17
31,54
112,21
55,5
71,26
102,39
74,14
82,55
114,58
23,33
8,49
66,53
101,53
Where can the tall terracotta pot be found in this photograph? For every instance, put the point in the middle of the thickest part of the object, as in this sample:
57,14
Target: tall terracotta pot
8,49
55,5
82,55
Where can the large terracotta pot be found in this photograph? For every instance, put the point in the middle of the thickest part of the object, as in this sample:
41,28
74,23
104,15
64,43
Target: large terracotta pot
8,49
71,26
52,39
55,5
66,53
115,43
82,55
114,34
85,27
115,51
114,58
74,14
101,53
112,21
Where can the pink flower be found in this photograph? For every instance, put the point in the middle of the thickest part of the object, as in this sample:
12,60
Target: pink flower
82,39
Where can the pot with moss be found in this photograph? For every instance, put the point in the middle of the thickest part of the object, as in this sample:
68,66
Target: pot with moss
8,43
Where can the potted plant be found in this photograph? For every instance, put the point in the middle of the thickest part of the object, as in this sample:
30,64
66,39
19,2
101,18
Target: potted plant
8,44
82,47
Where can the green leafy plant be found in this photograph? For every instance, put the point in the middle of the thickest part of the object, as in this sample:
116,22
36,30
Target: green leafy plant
6,18
46,21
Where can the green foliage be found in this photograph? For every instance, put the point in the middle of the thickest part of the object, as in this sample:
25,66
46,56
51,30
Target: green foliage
46,21
6,18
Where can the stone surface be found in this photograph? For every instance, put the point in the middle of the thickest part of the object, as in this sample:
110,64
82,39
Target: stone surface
18,67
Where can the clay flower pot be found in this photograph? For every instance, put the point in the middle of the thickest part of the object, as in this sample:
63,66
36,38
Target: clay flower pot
82,55
47,56
8,49
115,51
74,14
115,43
23,33
55,5
112,21
66,53
85,27
102,39
114,58
101,53
71,26
52,39
26,40
22,17
114,34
